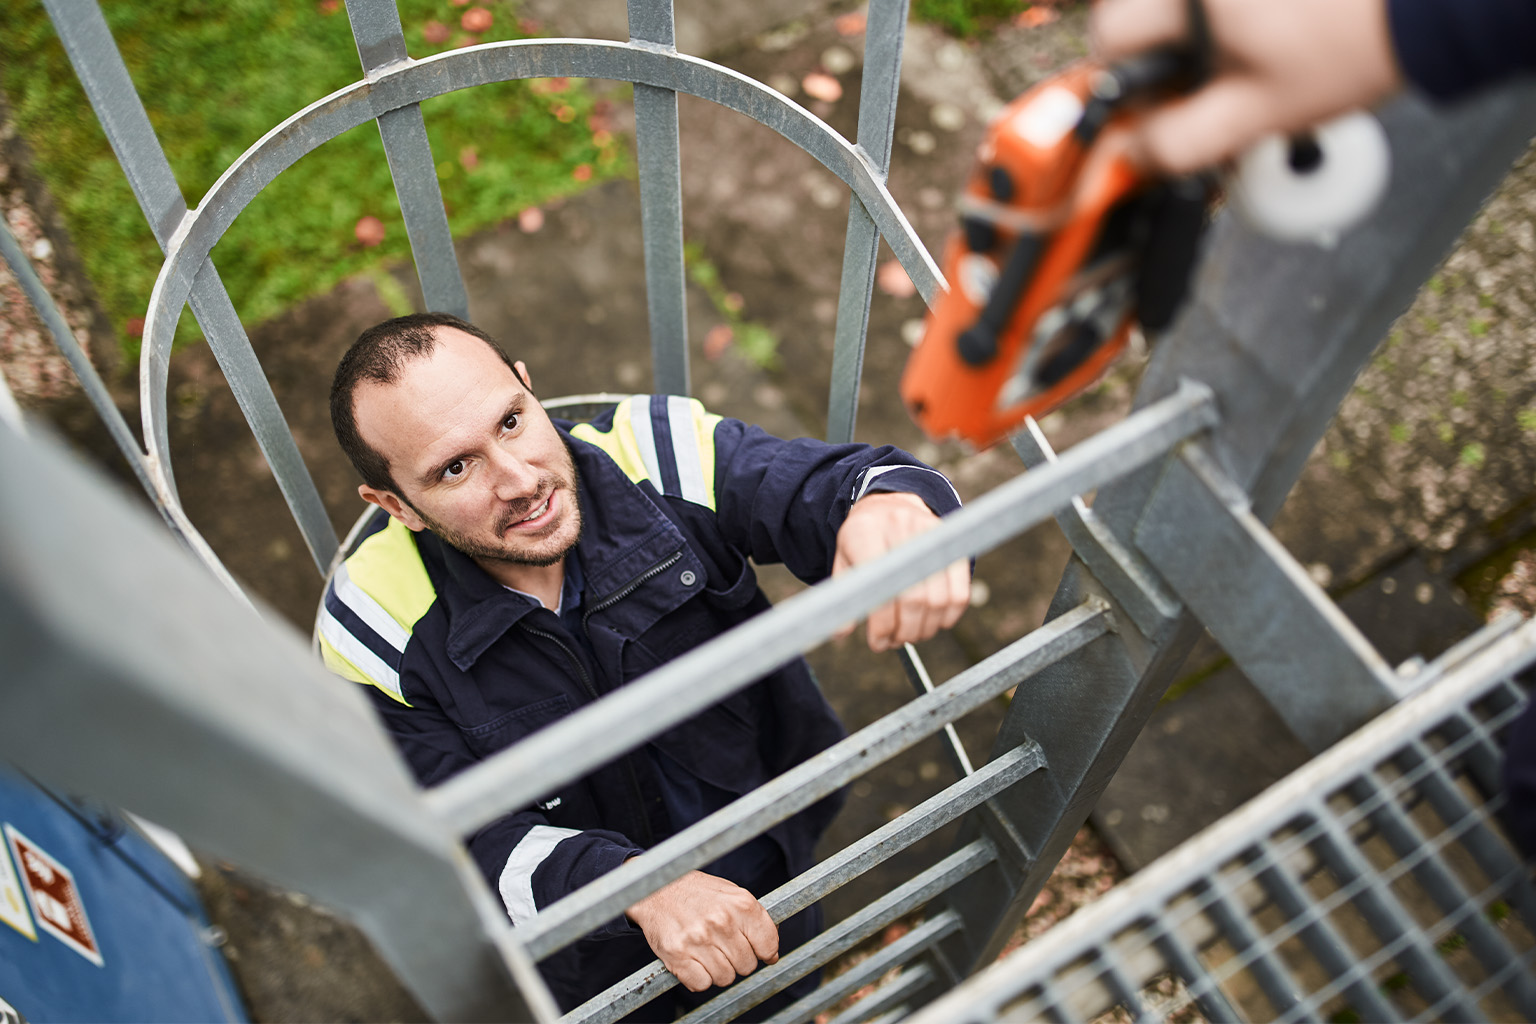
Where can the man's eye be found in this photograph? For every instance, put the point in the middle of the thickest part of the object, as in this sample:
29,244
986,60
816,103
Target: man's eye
453,470
511,422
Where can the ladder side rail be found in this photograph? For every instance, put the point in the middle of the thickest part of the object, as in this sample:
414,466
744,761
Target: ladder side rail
381,43
96,61
879,84
1279,334
659,154
1311,663
215,750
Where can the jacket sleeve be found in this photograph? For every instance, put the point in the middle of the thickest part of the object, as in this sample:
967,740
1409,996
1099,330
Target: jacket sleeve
784,501
528,861
1449,48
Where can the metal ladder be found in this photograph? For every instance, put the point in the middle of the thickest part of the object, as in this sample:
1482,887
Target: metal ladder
1233,400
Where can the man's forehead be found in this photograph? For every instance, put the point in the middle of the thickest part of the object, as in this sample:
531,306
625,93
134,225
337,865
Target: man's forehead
435,398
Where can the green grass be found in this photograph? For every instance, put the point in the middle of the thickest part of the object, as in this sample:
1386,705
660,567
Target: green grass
966,18
216,77
754,340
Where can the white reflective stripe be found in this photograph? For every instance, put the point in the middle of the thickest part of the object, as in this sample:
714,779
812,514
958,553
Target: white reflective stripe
861,487
645,436
359,654
369,610
685,448
516,881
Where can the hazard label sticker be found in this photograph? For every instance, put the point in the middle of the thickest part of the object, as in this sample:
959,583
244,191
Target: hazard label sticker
13,905
54,897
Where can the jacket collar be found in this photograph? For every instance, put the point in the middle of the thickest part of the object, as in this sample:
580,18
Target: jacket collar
624,534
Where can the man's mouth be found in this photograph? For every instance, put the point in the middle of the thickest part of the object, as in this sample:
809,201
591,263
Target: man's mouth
535,515
538,511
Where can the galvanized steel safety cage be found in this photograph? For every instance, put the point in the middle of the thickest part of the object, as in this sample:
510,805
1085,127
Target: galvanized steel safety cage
1233,400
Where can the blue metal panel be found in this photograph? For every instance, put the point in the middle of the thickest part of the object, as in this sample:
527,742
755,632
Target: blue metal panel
143,918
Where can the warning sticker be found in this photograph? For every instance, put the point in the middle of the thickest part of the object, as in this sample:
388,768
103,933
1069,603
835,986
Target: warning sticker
55,900
13,905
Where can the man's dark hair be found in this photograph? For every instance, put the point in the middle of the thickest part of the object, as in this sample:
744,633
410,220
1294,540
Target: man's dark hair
378,355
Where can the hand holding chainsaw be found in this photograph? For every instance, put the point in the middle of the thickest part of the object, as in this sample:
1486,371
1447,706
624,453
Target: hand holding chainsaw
1275,67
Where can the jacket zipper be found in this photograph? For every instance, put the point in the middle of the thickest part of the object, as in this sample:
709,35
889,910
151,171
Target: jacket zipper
630,587
597,606
586,682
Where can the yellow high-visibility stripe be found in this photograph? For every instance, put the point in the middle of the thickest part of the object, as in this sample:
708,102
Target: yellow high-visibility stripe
622,444
618,442
344,668
388,568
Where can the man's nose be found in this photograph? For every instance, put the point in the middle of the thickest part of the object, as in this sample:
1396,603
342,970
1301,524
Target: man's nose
513,477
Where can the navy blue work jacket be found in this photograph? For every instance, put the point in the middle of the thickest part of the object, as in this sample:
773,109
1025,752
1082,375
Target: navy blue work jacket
674,501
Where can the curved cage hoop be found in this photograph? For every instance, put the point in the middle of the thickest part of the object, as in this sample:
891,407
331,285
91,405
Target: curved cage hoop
399,86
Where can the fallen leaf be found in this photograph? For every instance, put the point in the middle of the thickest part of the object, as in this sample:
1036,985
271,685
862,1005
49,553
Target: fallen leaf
717,341
893,280
530,220
582,172
329,6
1036,16
135,327
477,19
369,230
850,24
527,26
469,158
435,33
821,86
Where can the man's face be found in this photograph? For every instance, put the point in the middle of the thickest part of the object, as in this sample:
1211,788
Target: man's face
475,457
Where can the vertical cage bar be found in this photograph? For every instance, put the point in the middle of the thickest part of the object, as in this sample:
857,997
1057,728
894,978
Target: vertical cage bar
661,204
879,86
79,362
93,54
922,682
1320,936
381,43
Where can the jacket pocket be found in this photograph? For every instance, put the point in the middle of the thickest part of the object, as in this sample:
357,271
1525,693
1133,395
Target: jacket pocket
740,583
507,729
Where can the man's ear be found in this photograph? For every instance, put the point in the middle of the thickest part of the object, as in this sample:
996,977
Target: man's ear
390,502
521,369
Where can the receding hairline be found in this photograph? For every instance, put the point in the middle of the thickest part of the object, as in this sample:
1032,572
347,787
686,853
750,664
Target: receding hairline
401,367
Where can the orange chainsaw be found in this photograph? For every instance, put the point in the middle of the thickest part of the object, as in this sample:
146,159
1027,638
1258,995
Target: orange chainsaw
1063,244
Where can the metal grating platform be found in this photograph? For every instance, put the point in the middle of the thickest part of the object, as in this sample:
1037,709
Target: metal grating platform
1373,884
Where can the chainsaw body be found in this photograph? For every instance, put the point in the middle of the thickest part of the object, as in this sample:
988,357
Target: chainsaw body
1063,244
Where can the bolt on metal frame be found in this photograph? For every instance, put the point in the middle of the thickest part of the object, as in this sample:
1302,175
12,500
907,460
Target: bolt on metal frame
1174,540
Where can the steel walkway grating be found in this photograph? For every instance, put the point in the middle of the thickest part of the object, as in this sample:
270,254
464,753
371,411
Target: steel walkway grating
1373,884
